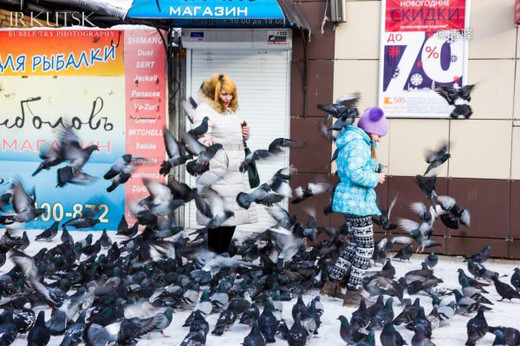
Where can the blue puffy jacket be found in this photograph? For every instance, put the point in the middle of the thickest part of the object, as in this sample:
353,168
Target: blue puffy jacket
357,173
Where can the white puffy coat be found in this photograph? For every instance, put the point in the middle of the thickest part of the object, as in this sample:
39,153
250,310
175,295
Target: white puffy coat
225,129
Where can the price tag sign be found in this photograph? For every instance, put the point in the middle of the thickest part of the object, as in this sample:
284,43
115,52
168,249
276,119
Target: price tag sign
424,44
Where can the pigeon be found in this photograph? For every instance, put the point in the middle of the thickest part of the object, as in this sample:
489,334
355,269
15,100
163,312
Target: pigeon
431,260
341,108
504,290
201,129
473,293
405,253
176,153
437,158
39,335
8,333
312,189
346,331
260,195
121,170
122,228
85,221
515,279
310,318
25,242
480,257
420,232
204,154
476,328
254,338
203,305
57,324
189,106
275,148
472,282
511,336
162,199
298,334
420,339
466,305
427,186
390,336
74,334
268,324
71,175
23,206
384,219
446,312
499,338
194,339
71,147
51,156
479,271
122,332
453,213
199,324
49,233
458,97
361,317
367,340
421,322
225,321
408,314
299,307
383,315
250,315
386,245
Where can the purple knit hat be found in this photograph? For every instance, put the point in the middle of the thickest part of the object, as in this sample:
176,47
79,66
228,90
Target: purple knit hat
373,121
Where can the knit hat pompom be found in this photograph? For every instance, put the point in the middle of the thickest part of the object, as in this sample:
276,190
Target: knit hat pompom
373,121
375,114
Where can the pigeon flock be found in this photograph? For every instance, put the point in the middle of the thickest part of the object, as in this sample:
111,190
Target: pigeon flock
124,287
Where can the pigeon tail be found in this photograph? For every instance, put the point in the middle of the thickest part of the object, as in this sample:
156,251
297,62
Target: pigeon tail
58,323
166,166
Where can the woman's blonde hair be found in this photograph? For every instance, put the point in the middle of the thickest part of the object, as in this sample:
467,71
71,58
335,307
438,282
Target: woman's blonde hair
220,82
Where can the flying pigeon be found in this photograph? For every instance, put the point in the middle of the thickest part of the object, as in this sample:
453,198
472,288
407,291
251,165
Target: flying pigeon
458,97
437,158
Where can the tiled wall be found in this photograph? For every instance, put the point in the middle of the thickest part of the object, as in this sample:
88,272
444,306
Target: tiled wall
311,161
485,149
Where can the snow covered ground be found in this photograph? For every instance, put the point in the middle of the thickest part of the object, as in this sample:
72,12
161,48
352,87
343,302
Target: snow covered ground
504,313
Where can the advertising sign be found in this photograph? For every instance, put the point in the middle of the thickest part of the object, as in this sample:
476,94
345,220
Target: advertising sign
424,44
52,78
517,12
218,13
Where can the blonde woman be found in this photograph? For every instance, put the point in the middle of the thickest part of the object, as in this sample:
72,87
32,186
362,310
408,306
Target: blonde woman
218,100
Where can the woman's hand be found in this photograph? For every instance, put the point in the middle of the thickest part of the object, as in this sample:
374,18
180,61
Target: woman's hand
381,177
245,130
208,143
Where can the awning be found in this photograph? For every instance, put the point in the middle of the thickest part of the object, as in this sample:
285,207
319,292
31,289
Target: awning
221,13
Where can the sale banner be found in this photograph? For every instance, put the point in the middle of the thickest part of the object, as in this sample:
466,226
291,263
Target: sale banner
424,44
50,79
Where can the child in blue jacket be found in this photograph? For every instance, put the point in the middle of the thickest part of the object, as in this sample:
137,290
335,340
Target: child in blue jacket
356,199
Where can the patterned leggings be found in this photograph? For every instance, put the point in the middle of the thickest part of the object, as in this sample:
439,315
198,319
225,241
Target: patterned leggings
358,252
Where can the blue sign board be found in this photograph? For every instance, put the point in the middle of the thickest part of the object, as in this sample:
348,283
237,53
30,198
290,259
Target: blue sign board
202,9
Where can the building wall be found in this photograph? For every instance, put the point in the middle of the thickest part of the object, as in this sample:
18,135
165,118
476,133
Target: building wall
5,21
483,172
311,161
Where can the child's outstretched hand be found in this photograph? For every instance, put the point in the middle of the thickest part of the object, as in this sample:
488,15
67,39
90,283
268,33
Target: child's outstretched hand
381,177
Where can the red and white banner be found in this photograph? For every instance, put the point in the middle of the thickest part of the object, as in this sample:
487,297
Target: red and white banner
424,44
145,81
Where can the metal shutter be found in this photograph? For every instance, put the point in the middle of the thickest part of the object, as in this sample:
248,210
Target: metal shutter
262,78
